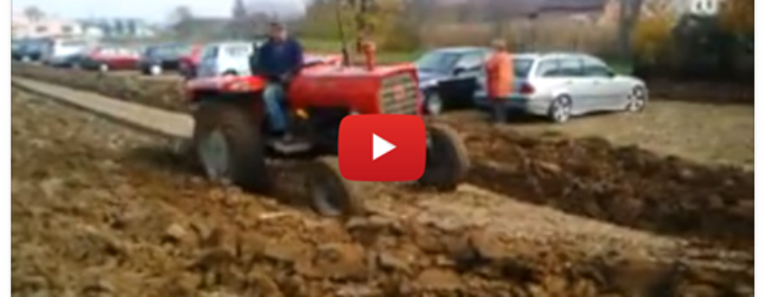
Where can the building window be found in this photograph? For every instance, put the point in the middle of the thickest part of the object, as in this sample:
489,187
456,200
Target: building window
67,29
41,29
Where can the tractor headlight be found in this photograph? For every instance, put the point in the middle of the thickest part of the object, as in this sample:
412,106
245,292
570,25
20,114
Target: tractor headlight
354,112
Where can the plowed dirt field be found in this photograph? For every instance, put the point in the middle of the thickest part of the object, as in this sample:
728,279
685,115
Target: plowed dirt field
101,210
586,176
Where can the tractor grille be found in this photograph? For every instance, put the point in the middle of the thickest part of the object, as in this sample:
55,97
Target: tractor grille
399,94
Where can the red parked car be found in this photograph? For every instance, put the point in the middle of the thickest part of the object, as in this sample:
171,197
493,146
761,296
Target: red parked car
111,57
188,62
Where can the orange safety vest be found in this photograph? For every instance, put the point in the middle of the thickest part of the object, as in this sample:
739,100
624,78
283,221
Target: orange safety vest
499,70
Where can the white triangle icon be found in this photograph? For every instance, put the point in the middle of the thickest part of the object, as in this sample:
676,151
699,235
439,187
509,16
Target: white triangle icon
380,146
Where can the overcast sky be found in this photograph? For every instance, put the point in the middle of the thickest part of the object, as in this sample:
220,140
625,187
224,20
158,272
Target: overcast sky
154,10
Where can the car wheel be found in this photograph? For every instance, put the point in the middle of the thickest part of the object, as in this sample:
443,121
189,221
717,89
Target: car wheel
156,70
230,73
433,104
560,110
637,100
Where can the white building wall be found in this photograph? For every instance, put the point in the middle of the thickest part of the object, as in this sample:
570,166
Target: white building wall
22,26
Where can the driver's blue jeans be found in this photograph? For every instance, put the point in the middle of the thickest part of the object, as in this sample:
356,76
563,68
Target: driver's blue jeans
274,96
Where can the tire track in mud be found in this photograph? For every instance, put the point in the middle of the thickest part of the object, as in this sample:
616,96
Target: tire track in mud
587,177
437,233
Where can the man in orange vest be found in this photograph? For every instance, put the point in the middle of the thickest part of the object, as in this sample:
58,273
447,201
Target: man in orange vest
499,70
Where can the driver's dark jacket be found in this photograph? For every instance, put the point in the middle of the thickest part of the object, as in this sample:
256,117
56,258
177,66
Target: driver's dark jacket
277,59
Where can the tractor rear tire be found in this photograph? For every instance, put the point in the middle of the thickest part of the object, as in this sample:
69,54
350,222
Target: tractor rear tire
245,161
329,193
447,161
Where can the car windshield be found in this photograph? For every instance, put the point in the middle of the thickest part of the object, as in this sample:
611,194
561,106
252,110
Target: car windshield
150,50
437,61
522,66
169,50
36,44
73,43
238,50
114,51
184,49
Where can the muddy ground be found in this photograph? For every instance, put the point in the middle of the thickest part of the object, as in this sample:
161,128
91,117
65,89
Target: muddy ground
706,133
586,176
99,210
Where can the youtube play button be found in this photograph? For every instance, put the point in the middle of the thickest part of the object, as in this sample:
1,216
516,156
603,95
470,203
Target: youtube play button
382,147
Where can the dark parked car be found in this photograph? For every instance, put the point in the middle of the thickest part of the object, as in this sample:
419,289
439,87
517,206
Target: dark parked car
449,76
164,57
31,49
16,46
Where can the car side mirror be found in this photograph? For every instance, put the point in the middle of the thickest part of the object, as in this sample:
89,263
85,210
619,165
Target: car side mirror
459,70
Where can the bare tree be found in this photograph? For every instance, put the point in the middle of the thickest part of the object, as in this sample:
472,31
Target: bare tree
629,15
182,13
240,26
182,18
239,10
501,12
420,9
33,13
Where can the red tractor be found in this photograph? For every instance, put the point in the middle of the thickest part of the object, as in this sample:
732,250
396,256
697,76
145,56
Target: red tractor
231,138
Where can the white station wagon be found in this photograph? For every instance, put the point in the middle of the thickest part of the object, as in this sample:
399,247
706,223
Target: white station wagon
226,58
562,85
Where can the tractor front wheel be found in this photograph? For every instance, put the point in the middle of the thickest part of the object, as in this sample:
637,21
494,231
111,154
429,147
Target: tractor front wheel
228,145
447,159
329,193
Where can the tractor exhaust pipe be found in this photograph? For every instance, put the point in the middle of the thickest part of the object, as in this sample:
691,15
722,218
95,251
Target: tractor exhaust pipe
369,50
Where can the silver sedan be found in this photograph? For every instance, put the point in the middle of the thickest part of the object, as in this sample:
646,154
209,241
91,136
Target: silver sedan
562,85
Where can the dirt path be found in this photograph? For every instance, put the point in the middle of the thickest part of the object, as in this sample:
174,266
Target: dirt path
93,197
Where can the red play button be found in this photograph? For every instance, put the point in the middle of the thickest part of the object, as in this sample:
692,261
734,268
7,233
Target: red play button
382,147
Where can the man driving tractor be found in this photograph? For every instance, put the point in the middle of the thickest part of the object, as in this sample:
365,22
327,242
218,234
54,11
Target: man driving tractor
278,60
229,142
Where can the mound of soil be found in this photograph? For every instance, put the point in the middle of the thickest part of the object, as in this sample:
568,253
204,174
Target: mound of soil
590,177
716,93
92,216
624,185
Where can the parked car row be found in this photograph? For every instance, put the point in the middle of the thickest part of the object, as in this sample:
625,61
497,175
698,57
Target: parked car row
557,85
189,60
154,59
76,53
